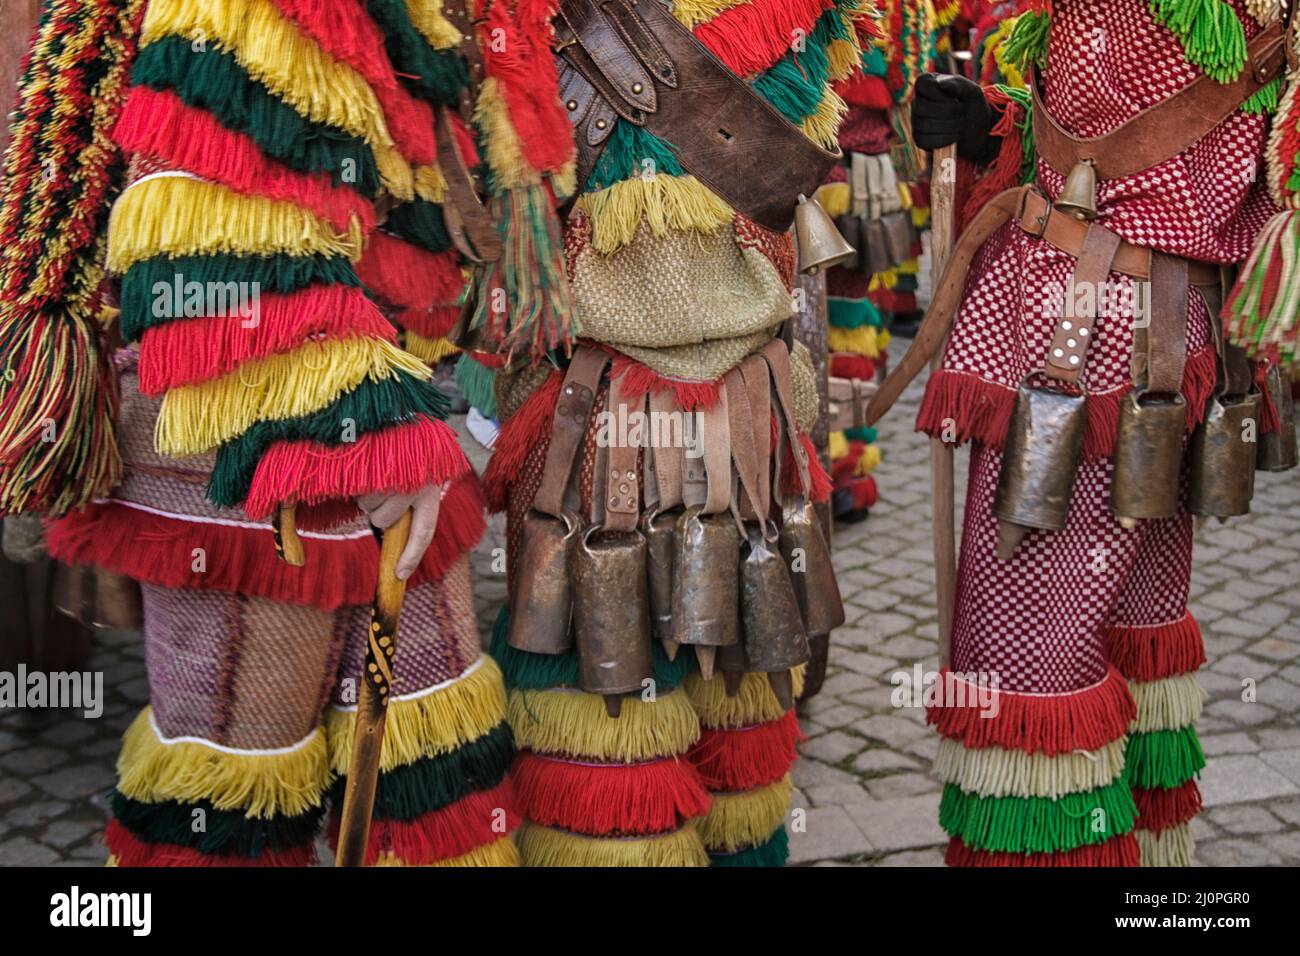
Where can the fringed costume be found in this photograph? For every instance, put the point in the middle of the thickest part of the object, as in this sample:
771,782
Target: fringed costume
280,237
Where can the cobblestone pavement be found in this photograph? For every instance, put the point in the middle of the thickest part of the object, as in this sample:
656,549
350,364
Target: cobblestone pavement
862,780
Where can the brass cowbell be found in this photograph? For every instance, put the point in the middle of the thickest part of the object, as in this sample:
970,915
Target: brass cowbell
820,244
775,639
541,605
1277,450
1148,457
1222,479
1078,197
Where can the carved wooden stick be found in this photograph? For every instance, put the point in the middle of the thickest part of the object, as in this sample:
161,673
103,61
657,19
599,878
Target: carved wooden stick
943,218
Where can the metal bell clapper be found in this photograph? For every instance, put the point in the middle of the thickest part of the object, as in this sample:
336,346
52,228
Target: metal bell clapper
611,614
1222,480
775,639
820,244
1148,457
542,604
809,559
1078,198
733,664
1039,460
706,585
659,530
1277,450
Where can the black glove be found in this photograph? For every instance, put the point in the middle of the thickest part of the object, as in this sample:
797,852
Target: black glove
952,109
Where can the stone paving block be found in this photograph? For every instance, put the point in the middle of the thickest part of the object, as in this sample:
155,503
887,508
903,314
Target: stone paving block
897,785
908,648
832,747
1243,779
1285,762
837,795
1242,713
882,760
912,858
907,823
1278,738
814,773
1239,666
895,730
21,851
29,813
1236,743
76,782
828,833
1237,852
34,760
1243,819
1275,649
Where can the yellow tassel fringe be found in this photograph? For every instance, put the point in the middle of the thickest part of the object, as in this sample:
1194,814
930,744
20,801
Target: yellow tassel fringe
1167,704
501,147
836,199
262,785
436,723
426,16
753,704
997,772
182,216
197,418
845,58
739,820
429,351
430,184
542,846
499,853
864,340
663,203
575,723
691,13
823,125
1173,846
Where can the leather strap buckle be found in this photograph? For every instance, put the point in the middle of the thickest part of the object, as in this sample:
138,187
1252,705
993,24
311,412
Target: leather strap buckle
1039,222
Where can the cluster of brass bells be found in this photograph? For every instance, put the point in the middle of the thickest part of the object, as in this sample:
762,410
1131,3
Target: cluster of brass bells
819,241
682,578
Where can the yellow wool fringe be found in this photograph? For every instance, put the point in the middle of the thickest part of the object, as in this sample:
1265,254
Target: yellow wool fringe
180,216
499,853
845,58
1167,704
1173,846
279,56
501,147
691,13
823,125
836,199
197,418
664,203
426,16
575,723
998,772
111,861
261,785
753,704
739,820
429,351
427,726
543,846
430,184
864,340
564,182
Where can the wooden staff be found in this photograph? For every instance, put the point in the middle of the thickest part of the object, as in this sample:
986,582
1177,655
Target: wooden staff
943,221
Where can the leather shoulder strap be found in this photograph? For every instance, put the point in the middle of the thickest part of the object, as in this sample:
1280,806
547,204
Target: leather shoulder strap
1167,129
569,426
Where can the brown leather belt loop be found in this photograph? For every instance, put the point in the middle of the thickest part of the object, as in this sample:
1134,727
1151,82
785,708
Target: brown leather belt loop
638,63
569,426
715,442
758,382
667,458
1165,130
743,451
1160,346
1067,355
623,478
468,222
777,356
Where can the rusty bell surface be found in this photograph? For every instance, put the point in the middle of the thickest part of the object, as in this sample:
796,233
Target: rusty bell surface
1222,480
1148,457
611,613
775,639
1277,450
541,607
811,572
706,587
660,531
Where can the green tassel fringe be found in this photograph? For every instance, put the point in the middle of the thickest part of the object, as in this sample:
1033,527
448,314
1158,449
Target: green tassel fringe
1037,824
1264,101
1027,43
865,434
225,832
1163,758
213,80
437,75
853,313
420,223
1211,34
477,383
372,406
773,852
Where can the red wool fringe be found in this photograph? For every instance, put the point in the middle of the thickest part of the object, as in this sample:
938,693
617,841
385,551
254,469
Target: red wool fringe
1004,173
404,458
608,799
981,410
868,92
441,834
1147,653
822,485
340,572
863,491
347,33
845,365
433,322
1037,723
159,124
185,351
130,850
520,434
752,37
1159,809
1119,851
639,380
408,277
747,758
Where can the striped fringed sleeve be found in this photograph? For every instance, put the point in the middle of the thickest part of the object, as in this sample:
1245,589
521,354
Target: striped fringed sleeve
263,132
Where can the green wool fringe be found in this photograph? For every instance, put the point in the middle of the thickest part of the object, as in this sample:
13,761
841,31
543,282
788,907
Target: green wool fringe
277,275
477,383
431,783
865,434
632,151
523,670
1027,43
853,313
1264,101
420,223
224,832
371,407
773,852
1211,34
213,80
1163,758
437,75
1038,824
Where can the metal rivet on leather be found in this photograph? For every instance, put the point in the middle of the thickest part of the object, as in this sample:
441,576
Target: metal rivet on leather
637,88
601,124
572,105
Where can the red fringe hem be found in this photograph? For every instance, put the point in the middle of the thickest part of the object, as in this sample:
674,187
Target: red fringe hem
639,380
1147,653
408,277
749,758
130,850
1039,723
1159,809
520,434
608,799
1120,851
